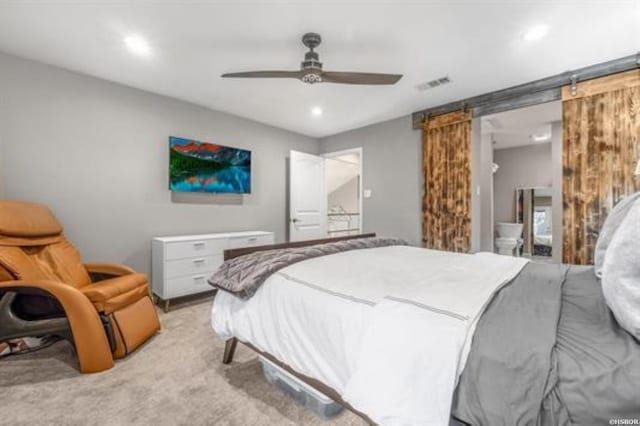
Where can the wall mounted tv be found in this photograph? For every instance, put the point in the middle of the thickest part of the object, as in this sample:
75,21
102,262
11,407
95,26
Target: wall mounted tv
196,166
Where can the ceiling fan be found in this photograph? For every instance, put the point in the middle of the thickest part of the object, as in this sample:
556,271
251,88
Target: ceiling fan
311,70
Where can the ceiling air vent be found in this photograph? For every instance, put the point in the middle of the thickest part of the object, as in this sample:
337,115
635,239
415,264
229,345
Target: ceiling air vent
433,83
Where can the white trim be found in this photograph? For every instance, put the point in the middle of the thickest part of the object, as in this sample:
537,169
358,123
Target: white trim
360,153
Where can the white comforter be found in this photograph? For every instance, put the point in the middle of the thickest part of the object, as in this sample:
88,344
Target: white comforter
389,328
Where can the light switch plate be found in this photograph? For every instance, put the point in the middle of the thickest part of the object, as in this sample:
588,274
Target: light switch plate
367,193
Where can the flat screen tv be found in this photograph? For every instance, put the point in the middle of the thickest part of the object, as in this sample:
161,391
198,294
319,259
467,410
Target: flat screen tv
196,166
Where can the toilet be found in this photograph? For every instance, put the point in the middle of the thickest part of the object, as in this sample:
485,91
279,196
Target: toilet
509,238
508,246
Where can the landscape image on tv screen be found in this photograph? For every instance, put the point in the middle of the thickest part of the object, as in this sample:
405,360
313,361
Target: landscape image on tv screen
206,167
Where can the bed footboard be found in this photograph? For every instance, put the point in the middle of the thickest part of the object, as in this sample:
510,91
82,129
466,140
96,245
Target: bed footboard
232,253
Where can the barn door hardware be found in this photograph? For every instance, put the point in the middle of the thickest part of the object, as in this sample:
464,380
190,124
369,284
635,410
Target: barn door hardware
533,93
574,84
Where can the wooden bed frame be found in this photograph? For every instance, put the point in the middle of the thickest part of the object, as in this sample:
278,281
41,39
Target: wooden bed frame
231,253
231,344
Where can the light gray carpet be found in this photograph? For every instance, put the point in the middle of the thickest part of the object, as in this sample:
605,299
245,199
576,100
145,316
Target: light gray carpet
176,378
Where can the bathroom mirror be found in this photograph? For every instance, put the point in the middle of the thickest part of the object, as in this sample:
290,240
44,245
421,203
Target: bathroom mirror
533,211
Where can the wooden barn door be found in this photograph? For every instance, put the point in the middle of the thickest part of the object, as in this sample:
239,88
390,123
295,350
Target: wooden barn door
601,133
446,163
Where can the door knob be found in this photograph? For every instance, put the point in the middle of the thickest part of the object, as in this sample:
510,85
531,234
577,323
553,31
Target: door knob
294,220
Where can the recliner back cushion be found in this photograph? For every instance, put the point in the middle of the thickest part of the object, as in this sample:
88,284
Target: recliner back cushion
57,262
30,220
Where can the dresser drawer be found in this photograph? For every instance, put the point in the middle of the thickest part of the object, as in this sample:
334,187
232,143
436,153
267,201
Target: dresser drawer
195,248
193,266
257,240
188,284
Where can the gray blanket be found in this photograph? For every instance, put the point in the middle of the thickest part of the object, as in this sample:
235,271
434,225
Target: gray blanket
547,351
243,275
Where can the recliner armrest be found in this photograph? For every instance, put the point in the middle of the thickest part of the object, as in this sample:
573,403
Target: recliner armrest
108,289
114,293
103,271
92,346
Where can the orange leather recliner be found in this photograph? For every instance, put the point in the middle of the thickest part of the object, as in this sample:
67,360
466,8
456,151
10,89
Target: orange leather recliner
105,310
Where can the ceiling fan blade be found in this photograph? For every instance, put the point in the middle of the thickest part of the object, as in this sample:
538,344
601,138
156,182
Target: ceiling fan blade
264,74
359,78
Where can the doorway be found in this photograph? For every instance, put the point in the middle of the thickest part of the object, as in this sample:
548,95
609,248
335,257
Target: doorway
343,176
325,194
527,201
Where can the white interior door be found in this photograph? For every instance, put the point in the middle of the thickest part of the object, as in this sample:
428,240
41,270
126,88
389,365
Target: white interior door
307,197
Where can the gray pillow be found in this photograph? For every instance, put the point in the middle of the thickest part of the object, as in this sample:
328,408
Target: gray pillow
621,272
611,224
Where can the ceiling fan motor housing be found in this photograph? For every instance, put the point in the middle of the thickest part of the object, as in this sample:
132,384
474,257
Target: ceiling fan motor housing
311,61
313,66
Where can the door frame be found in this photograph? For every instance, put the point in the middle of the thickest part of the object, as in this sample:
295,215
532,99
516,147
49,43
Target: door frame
360,152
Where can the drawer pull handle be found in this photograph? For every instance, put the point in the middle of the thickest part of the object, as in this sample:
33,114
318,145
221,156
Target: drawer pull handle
198,244
198,278
253,238
198,260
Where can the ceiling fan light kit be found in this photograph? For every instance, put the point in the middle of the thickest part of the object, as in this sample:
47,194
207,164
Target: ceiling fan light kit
311,70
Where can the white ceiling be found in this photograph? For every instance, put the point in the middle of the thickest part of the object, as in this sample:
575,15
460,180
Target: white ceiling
478,44
518,127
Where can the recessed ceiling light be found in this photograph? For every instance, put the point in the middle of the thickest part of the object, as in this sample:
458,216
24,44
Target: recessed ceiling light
536,33
137,45
316,111
541,138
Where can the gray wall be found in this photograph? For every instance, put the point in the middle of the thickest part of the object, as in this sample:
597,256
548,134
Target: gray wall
392,161
481,189
486,195
392,167
2,156
3,125
520,167
97,153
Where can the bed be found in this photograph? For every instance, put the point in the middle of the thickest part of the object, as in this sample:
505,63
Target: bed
537,344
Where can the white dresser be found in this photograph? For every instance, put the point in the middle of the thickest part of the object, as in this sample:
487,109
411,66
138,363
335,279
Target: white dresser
180,265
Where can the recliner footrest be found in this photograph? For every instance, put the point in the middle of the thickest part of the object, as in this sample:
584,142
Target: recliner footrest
133,325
